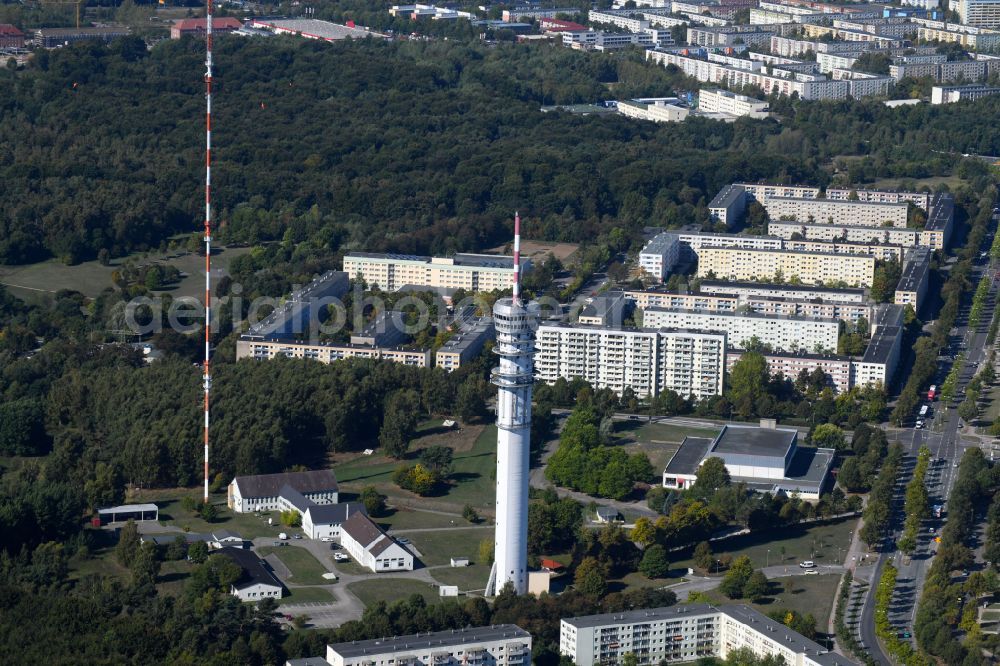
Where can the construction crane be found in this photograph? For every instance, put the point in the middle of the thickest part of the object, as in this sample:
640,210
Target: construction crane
42,3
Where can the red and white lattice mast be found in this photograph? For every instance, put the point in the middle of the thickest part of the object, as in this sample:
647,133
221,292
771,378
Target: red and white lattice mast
207,378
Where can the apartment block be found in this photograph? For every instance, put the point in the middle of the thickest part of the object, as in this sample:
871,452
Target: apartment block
838,369
713,100
981,13
465,344
799,292
328,352
497,645
767,304
663,110
729,205
912,287
810,267
660,256
685,633
884,252
878,365
761,191
971,38
951,94
604,310
780,332
620,19
922,199
845,213
884,235
646,360
828,62
471,272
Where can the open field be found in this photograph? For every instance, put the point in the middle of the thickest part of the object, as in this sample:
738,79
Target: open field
247,525
389,590
90,278
473,577
405,518
304,595
825,543
101,560
306,569
471,483
439,547
805,594
912,183
537,250
173,576
659,441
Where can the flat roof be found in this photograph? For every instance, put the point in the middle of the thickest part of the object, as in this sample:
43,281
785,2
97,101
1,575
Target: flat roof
764,286
459,259
753,440
317,28
809,464
660,243
728,194
941,213
601,306
748,315
688,457
436,639
128,507
773,250
880,347
876,231
595,328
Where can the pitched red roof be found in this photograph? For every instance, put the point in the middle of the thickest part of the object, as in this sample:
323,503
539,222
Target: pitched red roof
222,23
551,565
7,30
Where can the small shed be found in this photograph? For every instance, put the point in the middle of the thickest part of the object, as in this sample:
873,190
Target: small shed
607,514
459,561
448,590
136,512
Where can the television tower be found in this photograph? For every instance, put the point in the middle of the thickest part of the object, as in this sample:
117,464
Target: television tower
207,377
515,325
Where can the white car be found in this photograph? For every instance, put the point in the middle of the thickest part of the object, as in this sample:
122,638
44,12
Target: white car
811,572
808,564
340,557
326,539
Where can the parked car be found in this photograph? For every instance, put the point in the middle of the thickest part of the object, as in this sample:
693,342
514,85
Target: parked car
811,572
340,557
296,536
282,536
808,564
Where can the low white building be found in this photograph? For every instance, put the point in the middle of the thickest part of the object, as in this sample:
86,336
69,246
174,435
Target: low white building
371,547
497,645
714,100
951,94
257,581
685,633
262,492
325,520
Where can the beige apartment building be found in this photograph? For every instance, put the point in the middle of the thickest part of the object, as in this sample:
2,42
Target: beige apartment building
810,267
772,305
935,238
328,352
471,272
843,213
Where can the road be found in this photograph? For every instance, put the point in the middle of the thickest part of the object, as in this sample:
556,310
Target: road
943,436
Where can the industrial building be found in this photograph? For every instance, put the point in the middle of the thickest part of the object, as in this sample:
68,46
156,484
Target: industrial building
471,272
765,457
126,512
371,547
810,267
497,645
195,27
649,360
780,332
685,633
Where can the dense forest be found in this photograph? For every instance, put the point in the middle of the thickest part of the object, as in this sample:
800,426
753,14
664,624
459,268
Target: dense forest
410,146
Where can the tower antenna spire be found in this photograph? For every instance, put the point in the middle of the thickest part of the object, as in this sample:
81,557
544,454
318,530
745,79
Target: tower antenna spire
517,258
207,376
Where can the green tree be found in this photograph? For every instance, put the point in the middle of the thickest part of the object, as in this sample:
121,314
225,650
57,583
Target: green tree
291,518
827,435
703,557
470,514
643,533
208,512
399,423
655,563
710,477
757,587
470,401
748,381
735,581
128,544
590,578
198,552
105,488
145,566
486,551
373,500
438,458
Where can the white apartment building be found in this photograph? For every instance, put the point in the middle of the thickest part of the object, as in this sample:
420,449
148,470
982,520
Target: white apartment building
646,360
685,633
922,199
886,235
830,61
729,205
767,305
664,110
799,292
971,38
809,267
878,365
780,332
951,94
981,13
713,100
861,84
328,352
761,191
660,256
838,369
497,645
622,19
471,272
844,213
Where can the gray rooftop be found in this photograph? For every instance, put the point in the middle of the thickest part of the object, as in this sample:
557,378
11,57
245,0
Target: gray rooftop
877,232
460,259
660,243
744,315
880,348
437,639
778,287
254,570
753,440
941,213
334,514
809,465
727,196
688,457
915,269
601,306
269,485
308,661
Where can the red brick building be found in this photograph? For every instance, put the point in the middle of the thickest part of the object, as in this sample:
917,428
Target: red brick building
11,37
196,27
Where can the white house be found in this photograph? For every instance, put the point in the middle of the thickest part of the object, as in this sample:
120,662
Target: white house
257,582
263,492
373,548
325,520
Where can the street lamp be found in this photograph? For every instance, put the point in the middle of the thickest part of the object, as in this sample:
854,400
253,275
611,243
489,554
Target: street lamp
767,558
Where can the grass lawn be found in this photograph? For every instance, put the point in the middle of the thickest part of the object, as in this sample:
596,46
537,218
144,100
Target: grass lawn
805,594
809,542
173,577
305,595
636,580
101,561
89,278
473,577
306,569
439,547
471,483
645,432
405,518
247,525
389,590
